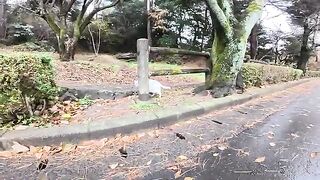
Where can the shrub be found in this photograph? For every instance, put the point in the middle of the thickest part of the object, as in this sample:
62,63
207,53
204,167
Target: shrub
258,74
32,46
26,84
312,74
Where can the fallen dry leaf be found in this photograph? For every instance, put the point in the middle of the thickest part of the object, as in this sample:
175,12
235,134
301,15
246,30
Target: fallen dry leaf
34,149
314,154
182,158
270,137
260,159
66,148
271,133
295,135
242,152
149,162
18,148
43,164
113,166
188,178
222,147
215,154
177,174
272,144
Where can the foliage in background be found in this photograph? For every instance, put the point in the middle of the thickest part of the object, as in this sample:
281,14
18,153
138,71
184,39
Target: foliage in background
20,33
26,86
188,22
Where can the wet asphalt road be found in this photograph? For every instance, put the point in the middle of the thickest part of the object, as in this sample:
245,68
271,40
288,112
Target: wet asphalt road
283,128
289,140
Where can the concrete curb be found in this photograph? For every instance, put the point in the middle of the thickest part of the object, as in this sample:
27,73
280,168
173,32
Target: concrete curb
128,124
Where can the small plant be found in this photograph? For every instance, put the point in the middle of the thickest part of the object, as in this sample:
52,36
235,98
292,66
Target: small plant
144,106
86,101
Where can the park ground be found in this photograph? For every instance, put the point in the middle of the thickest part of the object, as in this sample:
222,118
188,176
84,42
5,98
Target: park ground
274,137
107,71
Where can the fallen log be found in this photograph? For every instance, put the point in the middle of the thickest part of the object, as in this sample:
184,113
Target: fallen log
163,50
126,56
178,71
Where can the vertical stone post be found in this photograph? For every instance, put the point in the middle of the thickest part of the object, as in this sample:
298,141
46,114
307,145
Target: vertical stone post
143,69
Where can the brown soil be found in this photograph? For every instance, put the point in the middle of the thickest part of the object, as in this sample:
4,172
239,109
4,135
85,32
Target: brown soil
106,70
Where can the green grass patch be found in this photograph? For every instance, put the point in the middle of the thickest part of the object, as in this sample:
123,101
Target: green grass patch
144,106
86,101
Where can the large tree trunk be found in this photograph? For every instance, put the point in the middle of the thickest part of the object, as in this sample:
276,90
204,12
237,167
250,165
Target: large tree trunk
67,45
305,50
229,44
69,51
227,60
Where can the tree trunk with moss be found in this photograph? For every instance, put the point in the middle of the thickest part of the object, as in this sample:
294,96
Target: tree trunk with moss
229,46
67,43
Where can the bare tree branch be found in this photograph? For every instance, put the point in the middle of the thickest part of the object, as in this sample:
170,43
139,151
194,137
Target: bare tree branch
87,20
69,6
254,13
221,17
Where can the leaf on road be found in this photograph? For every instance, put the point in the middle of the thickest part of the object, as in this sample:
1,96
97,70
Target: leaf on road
180,136
113,166
177,174
295,135
68,148
182,158
270,135
123,152
43,164
315,154
260,159
18,148
242,152
222,147
272,144
215,154
188,178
